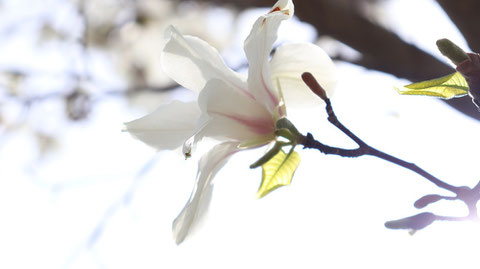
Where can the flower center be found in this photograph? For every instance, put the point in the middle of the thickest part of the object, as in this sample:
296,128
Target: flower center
261,126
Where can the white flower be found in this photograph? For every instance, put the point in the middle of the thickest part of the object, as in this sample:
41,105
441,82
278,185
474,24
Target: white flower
234,109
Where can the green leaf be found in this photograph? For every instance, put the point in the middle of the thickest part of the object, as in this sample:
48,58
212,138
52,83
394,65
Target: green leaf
449,86
278,171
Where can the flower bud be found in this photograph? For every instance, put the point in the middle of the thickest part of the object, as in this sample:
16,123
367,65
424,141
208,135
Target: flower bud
284,123
426,200
470,69
416,222
312,83
451,51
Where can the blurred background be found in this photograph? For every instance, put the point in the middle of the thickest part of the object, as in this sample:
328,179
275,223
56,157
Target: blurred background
77,192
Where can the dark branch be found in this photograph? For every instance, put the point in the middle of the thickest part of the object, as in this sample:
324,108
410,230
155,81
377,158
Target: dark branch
465,15
470,196
364,149
381,49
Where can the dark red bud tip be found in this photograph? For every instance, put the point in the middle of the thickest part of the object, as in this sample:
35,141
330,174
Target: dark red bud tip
312,83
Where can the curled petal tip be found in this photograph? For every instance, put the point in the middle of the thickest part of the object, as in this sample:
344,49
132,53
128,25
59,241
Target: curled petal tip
169,32
284,6
312,83
187,147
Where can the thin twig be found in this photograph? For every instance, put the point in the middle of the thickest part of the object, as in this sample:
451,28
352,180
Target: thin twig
470,196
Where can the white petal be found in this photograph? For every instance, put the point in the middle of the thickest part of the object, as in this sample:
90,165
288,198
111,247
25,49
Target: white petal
284,6
191,62
287,66
233,114
168,126
199,200
258,46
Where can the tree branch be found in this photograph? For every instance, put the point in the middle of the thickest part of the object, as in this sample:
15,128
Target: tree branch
465,16
381,49
469,196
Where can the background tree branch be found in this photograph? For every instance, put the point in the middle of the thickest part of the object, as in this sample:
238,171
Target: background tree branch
465,16
381,49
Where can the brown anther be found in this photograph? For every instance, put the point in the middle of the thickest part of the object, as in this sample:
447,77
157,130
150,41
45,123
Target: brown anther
274,10
286,12
312,83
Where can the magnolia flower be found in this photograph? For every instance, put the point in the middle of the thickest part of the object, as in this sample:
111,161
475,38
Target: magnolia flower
240,111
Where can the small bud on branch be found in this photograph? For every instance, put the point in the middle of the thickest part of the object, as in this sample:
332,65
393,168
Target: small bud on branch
471,71
314,86
451,51
428,199
416,222
470,196
467,64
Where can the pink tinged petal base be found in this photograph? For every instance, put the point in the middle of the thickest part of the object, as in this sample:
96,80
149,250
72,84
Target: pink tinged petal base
233,115
274,100
260,126
200,198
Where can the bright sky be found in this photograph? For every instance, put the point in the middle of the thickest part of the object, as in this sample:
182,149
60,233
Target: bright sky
76,209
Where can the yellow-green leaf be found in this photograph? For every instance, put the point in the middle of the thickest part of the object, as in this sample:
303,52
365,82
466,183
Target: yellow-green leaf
449,86
278,171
